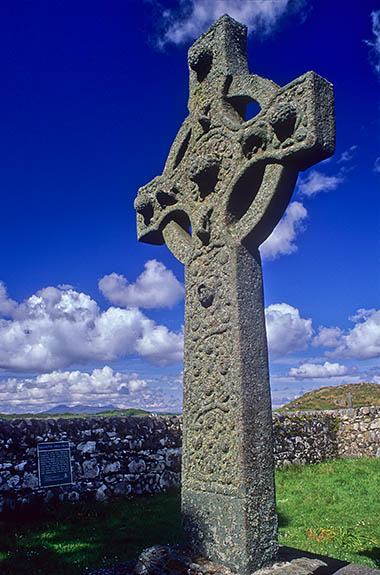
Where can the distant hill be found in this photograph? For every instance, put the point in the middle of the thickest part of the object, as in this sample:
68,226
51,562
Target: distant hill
79,409
336,397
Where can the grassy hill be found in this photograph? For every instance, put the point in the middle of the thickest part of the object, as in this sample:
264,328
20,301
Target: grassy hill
335,397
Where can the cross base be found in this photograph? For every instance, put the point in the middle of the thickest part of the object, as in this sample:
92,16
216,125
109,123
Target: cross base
165,560
228,530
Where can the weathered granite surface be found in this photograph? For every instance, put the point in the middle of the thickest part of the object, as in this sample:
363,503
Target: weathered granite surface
225,186
161,560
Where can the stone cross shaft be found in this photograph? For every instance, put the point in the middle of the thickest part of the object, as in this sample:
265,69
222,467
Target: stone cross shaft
225,186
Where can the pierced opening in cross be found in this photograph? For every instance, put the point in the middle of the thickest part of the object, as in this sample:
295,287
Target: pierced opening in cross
252,109
244,192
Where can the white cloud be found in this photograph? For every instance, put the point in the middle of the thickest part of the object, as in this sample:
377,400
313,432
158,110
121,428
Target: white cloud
328,337
101,387
376,166
363,340
314,370
287,330
197,15
360,342
156,287
362,313
375,43
7,305
159,344
299,386
56,328
281,240
315,182
347,155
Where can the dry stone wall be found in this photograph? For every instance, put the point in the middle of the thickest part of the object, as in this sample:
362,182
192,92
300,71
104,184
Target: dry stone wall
313,436
304,437
110,457
358,432
113,457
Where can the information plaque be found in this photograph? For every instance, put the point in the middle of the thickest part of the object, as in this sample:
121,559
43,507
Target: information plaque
54,463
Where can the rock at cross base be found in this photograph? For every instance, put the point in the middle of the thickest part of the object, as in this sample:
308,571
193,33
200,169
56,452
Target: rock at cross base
225,186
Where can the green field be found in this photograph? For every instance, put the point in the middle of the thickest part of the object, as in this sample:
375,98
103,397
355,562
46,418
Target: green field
331,508
132,412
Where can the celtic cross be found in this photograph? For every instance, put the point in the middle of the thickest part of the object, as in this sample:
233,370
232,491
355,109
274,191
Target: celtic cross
225,186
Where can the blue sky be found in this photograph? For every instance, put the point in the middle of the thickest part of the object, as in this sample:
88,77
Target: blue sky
93,94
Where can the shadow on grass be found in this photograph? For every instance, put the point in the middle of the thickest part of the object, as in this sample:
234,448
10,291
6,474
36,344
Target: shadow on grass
68,539
36,561
373,553
283,520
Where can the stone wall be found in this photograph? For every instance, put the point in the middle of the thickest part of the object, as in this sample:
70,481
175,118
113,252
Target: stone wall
313,436
358,433
114,457
304,437
110,457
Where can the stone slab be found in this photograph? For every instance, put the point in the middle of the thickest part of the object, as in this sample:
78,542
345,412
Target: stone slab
353,569
165,560
333,566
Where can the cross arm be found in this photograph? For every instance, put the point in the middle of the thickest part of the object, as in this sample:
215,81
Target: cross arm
296,122
156,204
294,130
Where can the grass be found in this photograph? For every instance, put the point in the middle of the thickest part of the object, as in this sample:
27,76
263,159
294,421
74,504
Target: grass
335,397
331,508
